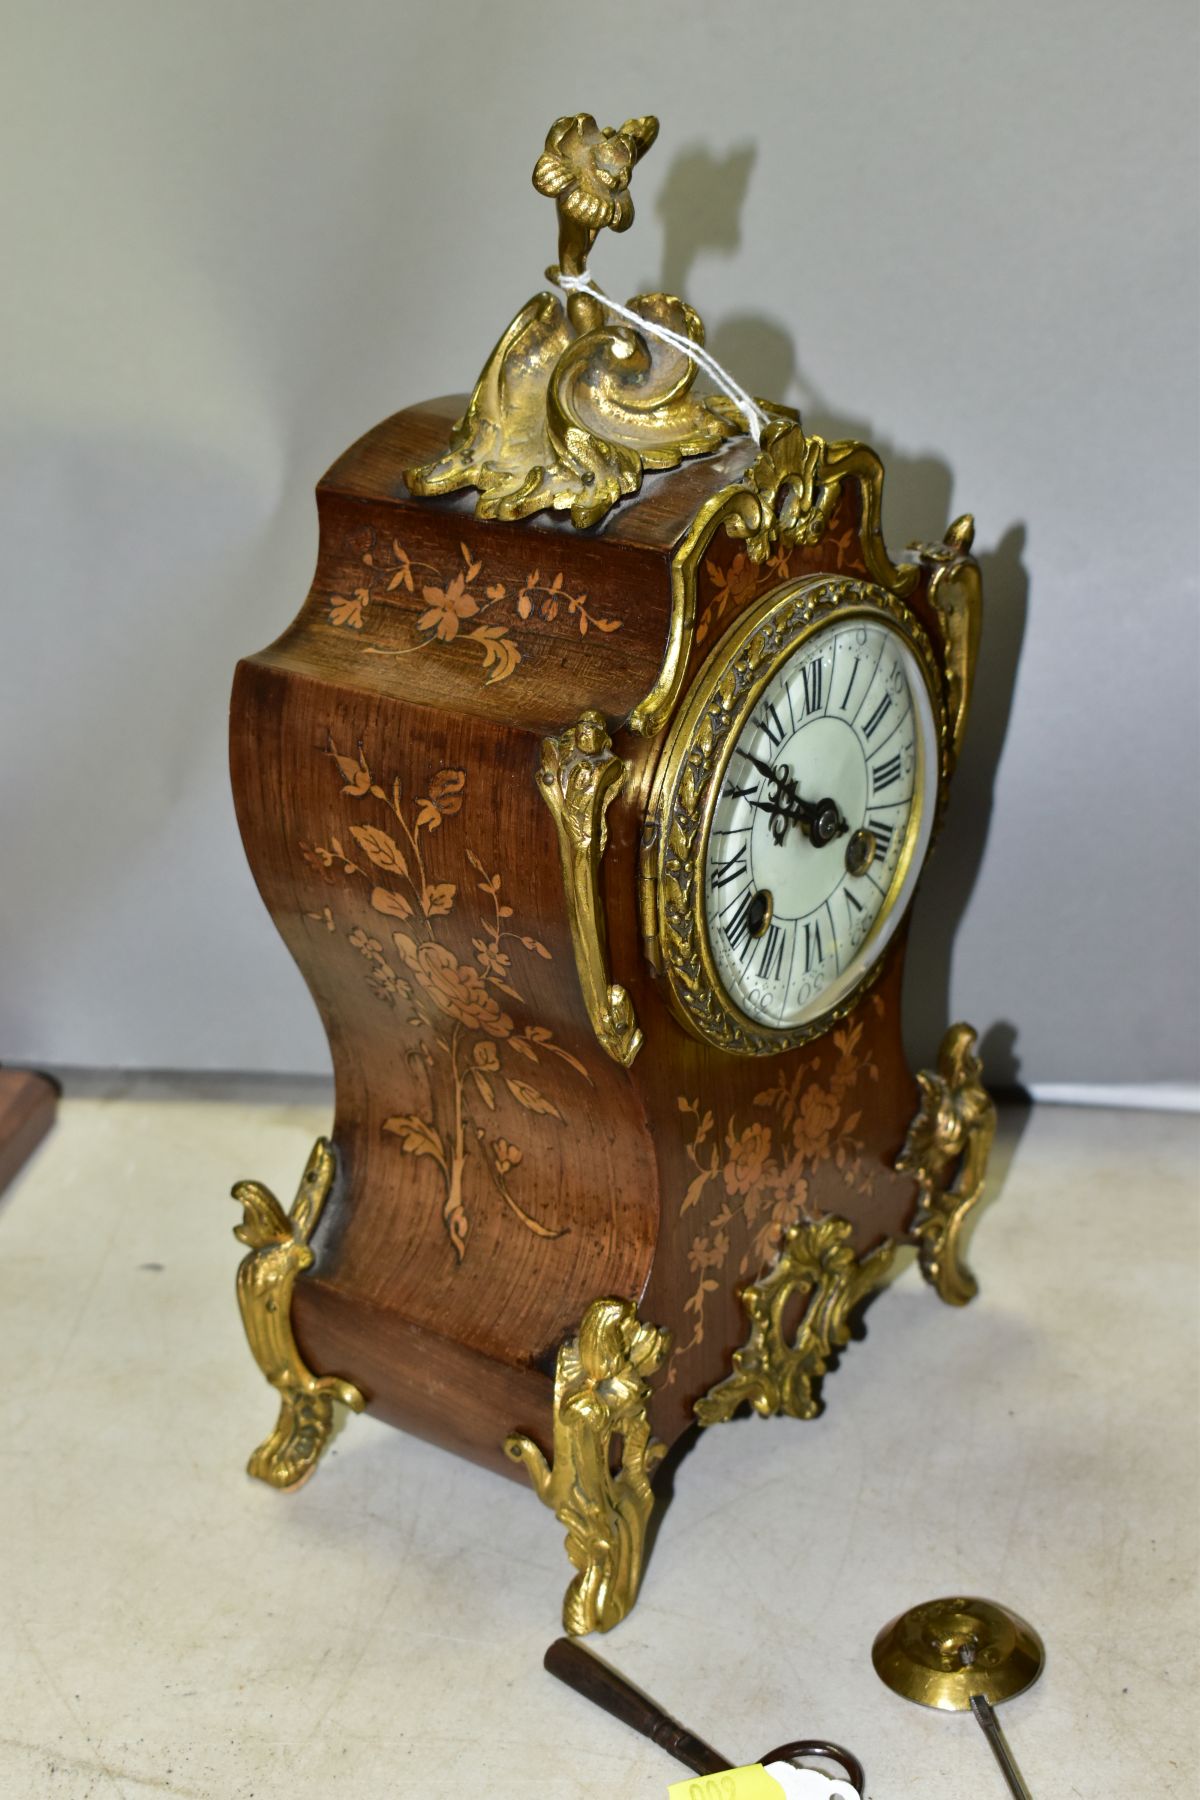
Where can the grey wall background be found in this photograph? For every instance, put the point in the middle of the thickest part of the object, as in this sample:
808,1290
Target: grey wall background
237,235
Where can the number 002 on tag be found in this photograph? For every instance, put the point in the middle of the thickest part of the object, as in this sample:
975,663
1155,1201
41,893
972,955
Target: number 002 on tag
751,1783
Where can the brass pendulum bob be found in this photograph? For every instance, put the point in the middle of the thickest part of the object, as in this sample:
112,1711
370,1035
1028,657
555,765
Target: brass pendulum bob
962,1655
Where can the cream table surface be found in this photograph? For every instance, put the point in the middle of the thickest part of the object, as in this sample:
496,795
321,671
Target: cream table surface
168,1626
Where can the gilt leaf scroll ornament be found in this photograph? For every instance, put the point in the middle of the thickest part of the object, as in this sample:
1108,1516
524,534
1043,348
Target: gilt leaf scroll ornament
604,1499
569,410
782,502
789,492
777,1370
279,1245
947,1149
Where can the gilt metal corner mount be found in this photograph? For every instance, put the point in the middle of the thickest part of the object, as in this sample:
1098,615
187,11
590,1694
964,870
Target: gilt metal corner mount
604,1501
947,1149
280,1250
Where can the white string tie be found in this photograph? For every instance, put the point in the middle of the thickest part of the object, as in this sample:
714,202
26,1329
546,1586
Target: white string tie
756,419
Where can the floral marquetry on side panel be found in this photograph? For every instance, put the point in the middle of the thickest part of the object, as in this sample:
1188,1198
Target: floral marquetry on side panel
753,1174
476,1060
728,578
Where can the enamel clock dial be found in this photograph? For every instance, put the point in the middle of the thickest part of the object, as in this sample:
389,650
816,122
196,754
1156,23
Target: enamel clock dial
802,777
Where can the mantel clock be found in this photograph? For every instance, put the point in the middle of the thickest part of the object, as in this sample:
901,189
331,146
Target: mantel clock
590,790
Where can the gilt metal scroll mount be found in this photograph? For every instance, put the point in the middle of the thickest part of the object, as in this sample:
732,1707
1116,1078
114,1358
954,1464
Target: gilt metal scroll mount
571,409
777,1371
599,1481
579,778
279,1246
947,1149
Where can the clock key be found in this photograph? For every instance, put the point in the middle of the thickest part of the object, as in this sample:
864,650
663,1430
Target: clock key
569,1662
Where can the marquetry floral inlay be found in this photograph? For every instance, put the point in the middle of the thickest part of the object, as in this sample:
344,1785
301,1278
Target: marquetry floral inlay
741,580
462,605
467,1047
752,1177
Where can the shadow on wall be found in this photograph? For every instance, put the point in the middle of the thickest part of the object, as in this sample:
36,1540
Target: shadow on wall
700,206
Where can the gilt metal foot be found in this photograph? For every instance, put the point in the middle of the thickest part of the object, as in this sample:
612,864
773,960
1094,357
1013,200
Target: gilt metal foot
279,1252
600,1395
947,1149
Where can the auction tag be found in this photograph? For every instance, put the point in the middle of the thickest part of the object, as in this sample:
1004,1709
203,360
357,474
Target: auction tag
754,1783
750,1783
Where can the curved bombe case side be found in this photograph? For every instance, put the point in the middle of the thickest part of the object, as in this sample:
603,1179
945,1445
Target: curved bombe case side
497,1170
495,1167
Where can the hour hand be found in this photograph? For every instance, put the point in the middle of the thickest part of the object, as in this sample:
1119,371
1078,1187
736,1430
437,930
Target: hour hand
820,820
777,777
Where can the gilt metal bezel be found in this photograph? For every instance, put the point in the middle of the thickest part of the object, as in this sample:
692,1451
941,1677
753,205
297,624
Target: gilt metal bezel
683,797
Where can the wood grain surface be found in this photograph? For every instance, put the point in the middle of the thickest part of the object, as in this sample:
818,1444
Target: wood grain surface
28,1103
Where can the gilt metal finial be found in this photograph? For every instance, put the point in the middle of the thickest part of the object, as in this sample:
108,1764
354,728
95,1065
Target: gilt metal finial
585,169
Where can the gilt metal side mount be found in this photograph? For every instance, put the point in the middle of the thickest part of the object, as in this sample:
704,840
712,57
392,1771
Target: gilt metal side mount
580,777
777,1369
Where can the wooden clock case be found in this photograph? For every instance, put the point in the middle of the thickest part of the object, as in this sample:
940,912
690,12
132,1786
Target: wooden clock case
496,1169
554,1227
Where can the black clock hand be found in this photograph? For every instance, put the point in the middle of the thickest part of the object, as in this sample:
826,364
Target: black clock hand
786,801
780,818
820,820
764,768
